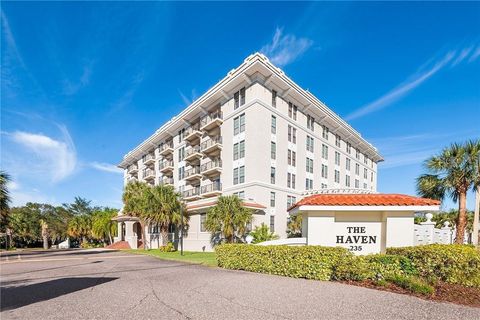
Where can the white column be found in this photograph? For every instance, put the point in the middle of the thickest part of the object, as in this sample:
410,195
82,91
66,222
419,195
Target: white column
430,225
130,235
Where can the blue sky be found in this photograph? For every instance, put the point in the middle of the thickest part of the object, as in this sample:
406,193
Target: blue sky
84,83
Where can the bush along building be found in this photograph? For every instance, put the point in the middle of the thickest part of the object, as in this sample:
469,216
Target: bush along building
255,134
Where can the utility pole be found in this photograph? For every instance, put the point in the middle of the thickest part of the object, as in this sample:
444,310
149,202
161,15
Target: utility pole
476,217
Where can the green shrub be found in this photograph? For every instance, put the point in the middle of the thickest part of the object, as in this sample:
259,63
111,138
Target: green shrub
412,284
354,268
310,262
454,263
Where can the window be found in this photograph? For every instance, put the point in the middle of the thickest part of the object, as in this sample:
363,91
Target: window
289,180
324,171
239,175
291,200
240,194
274,125
365,173
272,199
347,181
371,176
181,135
365,159
181,154
357,183
337,176
357,154
324,151
239,150
239,98
239,124
364,186
308,184
292,111
338,140
337,158
272,223
310,122
357,169
325,132
293,181
292,134
292,158
203,218
347,164
324,186
349,148
309,165
273,150
309,144
181,173
272,175
274,98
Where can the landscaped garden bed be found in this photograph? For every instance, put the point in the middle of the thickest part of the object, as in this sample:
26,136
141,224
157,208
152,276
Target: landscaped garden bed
438,272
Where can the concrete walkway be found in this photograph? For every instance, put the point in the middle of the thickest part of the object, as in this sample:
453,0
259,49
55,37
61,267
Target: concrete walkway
98,284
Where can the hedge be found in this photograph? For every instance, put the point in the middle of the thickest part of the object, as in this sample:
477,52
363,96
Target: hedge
458,264
310,262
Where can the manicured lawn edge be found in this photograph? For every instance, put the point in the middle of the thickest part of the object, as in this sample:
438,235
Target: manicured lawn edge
202,258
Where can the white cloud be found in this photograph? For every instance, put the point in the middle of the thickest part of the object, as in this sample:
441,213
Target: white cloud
452,58
56,158
285,48
107,167
70,88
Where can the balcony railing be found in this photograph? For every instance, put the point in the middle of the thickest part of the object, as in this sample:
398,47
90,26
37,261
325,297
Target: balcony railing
132,168
166,181
148,174
191,193
167,164
166,147
193,132
192,172
211,144
193,153
211,166
215,187
211,120
149,158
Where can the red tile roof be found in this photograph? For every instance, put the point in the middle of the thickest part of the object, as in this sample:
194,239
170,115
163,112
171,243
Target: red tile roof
375,199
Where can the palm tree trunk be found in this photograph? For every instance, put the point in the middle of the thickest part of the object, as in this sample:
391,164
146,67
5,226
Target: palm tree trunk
164,232
45,242
462,217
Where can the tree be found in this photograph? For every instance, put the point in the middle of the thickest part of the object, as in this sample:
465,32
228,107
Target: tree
451,174
294,226
80,227
80,206
162,206
228,219
262,233
4,205
44,227
102,224
134,200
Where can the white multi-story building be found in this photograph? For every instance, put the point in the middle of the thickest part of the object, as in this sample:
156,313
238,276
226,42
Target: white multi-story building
255,134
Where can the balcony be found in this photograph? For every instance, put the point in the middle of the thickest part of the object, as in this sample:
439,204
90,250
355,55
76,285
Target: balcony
166,148
193,132
212,189
211,145
212,167
166,181
193,174
149,159
132,179
148,174
192,194
166,166
193,153
132,169
211,121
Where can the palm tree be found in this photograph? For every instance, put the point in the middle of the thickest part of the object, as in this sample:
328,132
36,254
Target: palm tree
262,233
134,197
44,226
80,227
294,226
162,206
102,224
228,219
451,174
4,196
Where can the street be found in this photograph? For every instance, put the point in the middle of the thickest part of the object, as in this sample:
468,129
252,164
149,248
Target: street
99,284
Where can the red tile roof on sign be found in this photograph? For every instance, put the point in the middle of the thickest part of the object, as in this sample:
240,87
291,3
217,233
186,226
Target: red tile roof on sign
375,199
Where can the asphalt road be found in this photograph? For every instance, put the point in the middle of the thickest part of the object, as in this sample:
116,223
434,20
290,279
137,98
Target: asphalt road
89,284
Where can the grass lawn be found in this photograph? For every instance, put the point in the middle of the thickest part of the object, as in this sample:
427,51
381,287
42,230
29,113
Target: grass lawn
205,258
